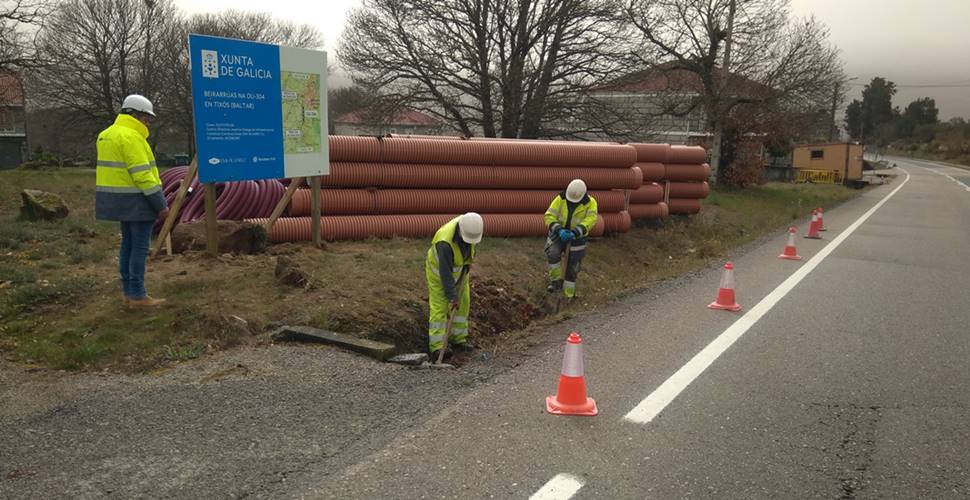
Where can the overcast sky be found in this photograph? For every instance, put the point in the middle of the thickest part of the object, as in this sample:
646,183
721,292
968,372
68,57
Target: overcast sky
911,42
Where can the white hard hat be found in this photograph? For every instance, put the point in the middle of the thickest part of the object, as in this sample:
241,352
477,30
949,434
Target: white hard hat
471,227
576,190
138,103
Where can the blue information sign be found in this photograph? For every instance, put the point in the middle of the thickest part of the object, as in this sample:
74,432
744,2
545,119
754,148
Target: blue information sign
256,118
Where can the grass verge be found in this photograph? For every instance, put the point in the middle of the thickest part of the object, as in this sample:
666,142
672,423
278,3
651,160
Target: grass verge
60,303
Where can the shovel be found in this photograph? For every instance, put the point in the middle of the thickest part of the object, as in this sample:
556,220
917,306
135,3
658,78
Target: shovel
565,266
451,319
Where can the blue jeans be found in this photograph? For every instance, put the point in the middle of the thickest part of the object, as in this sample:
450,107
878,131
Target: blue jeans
135,239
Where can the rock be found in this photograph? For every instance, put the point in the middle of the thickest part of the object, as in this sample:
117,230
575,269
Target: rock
235,237
41,205
427,365
289,273
413,359
237,324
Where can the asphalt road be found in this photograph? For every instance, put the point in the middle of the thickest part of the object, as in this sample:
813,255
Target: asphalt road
853,384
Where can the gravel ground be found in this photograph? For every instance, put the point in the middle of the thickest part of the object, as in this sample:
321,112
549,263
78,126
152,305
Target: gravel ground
236,424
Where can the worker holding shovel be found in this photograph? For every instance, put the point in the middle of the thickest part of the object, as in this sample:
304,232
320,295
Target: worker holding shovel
449,289
570,217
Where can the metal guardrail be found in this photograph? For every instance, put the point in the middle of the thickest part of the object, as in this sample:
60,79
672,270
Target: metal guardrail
819,176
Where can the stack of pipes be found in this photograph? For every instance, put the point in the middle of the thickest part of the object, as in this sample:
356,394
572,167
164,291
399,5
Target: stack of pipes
234,200
686,174
410,186
647,202
681,172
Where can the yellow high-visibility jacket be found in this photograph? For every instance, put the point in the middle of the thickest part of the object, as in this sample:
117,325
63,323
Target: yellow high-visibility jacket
447,233
128,185
580,216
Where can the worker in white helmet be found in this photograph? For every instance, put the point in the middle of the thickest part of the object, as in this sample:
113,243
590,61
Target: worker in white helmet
129,190
449,290
570,217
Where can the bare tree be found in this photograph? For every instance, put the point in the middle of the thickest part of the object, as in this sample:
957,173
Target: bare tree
255,26
96,54
99,51
19,21
776,61
510,68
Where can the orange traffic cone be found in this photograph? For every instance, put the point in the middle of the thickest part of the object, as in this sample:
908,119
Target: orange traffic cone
821,223
570,398
813,228
790,252
725,295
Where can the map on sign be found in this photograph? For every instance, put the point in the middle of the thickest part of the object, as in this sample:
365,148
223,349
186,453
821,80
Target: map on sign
301,112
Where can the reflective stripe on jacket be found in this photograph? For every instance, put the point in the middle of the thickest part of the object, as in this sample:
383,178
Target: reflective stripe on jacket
583,216
128,185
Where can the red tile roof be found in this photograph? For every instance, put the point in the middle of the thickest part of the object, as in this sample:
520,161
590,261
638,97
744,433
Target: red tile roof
403,117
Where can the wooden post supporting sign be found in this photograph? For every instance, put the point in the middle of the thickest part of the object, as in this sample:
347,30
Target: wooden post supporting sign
173,211
283,203
211,228
315,210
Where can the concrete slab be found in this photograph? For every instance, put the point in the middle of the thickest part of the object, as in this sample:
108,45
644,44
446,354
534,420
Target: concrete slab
413,359
371,348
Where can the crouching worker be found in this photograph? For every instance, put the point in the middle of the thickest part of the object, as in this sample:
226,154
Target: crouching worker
570,218
449,290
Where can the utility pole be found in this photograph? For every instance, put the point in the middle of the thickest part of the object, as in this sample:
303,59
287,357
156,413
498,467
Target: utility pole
833,129
835,104
723,85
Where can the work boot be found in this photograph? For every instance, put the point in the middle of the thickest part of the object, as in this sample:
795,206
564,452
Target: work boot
144,303
554,286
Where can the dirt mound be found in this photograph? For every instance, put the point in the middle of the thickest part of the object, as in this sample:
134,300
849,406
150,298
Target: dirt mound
496,309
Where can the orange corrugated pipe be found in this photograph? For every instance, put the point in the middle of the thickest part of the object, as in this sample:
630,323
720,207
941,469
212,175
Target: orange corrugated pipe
617,223
529,153
694,190
492,139
430,201
356,227
652,171
404,175
653,153
684,206
423,136
649,210
453,152
351,148
686,154
647,194
684,173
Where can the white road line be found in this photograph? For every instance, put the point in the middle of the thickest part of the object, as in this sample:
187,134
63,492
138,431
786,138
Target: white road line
561,487
948,176
661,397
